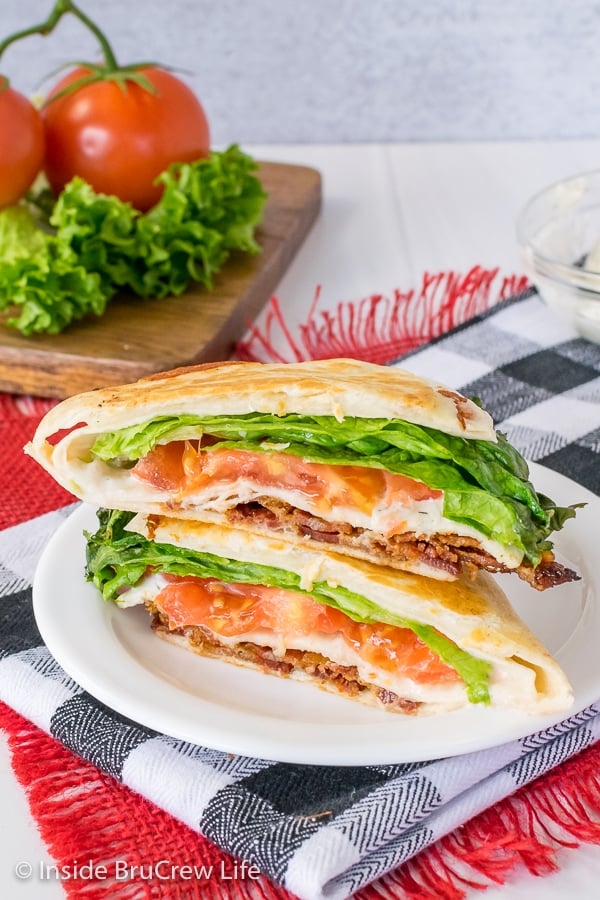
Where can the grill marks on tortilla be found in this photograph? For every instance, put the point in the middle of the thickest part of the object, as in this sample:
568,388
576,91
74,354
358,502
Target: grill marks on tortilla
463,411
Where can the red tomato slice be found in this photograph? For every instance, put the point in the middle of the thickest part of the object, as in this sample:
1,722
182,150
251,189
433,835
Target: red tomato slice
235,610
163,467
181,467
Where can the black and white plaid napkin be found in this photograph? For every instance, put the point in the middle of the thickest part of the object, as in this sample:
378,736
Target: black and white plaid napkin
326,831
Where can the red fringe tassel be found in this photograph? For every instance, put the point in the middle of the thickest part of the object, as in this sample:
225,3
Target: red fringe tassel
559,810
379,328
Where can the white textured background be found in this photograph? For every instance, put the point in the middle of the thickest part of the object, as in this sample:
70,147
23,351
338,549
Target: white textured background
285,71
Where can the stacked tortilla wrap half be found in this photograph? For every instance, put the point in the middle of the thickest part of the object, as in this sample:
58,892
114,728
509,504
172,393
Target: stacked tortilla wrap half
330,521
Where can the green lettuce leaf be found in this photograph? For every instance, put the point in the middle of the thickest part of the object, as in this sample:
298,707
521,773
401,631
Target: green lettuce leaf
117,559
20,235
42,278
485,484
96,245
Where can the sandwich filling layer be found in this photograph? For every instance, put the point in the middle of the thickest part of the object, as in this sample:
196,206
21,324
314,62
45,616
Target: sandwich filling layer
374,513
282,606
482,487
287,632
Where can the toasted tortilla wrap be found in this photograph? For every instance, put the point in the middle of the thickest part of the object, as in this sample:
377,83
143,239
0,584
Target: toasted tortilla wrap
374,461
403,642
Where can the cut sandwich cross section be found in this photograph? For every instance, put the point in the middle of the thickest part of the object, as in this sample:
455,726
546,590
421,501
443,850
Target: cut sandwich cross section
369,512
291,631
387,638
374,461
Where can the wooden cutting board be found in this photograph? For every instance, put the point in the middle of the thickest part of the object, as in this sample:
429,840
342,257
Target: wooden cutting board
138,337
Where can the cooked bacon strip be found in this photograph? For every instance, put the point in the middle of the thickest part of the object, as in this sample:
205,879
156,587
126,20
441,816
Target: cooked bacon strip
342,679
450,553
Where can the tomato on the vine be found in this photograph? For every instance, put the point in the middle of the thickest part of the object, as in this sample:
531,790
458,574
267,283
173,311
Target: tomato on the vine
21,144
119,136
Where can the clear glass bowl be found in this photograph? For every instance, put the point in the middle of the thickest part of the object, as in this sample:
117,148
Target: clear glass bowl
559,235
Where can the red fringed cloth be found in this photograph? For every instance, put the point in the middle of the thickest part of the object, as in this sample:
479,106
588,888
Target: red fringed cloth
380,328
104,821
85,815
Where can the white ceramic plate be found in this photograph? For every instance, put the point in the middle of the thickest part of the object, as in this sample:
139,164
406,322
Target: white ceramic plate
113,654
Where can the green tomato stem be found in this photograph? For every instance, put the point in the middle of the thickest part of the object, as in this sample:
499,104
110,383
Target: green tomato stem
61,8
